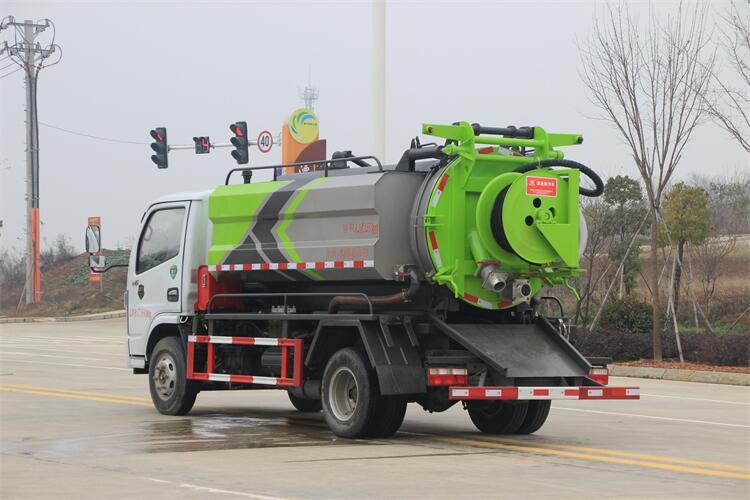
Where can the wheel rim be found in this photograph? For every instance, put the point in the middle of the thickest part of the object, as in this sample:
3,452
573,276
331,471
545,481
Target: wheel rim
343,394
165,377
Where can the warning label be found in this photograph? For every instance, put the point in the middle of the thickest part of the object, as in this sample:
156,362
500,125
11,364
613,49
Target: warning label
541,186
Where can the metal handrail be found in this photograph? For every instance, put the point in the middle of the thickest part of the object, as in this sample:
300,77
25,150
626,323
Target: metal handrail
327,164
287,295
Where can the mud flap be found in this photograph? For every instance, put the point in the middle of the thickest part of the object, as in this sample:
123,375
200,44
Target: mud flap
391,348
518,351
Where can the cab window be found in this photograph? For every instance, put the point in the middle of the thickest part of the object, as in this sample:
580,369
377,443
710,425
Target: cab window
160,240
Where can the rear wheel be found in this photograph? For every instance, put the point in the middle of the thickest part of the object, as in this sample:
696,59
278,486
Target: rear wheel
350,394
388,418
535,417
497,417
171,391
305,405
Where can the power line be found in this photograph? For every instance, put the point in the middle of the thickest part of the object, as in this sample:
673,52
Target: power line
90,136
10,73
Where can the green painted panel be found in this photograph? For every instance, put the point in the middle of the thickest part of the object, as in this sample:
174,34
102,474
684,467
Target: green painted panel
232,210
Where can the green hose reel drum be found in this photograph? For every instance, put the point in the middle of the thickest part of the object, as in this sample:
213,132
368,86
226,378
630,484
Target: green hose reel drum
498,228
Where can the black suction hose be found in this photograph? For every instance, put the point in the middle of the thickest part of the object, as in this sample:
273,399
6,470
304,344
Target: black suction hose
592,193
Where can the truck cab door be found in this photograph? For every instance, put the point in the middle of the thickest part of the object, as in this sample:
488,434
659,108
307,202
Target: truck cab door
155,277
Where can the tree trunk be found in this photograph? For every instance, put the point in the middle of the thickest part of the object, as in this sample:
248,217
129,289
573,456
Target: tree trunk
678,276
656,317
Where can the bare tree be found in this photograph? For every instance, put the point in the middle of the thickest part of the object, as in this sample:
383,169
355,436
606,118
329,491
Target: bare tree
730,104
710,254
648,80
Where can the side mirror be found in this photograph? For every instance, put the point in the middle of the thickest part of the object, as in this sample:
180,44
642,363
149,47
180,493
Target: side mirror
97,262
93,239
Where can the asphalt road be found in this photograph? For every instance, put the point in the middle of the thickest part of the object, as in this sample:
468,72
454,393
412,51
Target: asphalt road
75,423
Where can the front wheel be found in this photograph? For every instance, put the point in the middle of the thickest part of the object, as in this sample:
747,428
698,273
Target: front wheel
497,417
171,391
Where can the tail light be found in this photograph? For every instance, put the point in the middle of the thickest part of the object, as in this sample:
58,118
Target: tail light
447,376
599,375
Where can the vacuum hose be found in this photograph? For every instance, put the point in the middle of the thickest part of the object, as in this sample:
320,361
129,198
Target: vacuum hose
592,193
404,295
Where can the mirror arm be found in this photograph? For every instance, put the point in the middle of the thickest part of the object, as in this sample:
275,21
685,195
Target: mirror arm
107,267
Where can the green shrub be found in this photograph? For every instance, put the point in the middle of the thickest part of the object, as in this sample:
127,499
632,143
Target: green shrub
628,314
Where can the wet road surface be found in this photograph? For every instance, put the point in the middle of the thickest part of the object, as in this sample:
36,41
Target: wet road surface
75,423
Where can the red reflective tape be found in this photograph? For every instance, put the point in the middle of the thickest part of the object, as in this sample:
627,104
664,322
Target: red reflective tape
265,266
433,240
338,263
283,265
243,340
202,339
320,265
504,303
443,182
217,267
484,151
301,265
471,298
540,392
359,263
571,392
241,379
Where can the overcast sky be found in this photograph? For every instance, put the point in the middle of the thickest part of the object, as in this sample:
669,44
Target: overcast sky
197,67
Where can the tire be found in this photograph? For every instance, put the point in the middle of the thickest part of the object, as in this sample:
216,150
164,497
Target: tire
497,417
305,405
350,396
388,418
171,392
535,417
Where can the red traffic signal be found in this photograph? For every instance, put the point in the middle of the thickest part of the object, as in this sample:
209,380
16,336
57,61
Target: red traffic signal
160,147
239,141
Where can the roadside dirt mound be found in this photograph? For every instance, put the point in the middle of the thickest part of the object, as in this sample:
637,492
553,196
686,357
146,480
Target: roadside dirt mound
66,290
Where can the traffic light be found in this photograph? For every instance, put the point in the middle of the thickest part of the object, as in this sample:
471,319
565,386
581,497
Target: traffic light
160,147
239,141
202,145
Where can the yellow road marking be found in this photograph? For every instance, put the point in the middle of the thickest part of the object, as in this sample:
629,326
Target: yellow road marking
139,399
581,452
588,456
40,391
629,454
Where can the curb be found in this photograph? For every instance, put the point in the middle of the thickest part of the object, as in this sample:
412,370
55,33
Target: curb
85,317
705,377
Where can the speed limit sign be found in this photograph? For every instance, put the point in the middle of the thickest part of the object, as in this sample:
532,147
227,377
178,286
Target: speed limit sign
265,141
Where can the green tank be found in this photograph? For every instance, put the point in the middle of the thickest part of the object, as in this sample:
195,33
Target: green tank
492,215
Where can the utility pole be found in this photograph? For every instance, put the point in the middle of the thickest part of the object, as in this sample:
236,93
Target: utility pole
378,79
29,55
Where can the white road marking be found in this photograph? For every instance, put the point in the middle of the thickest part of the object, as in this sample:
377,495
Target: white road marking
216,490
699,399
64,364
652,417
72,358
34,349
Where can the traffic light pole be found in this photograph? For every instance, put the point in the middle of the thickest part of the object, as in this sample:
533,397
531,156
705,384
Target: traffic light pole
251,142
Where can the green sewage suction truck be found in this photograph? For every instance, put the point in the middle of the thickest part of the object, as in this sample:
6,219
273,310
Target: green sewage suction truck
360,287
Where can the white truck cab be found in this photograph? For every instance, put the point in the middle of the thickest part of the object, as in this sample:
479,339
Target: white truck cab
161,284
